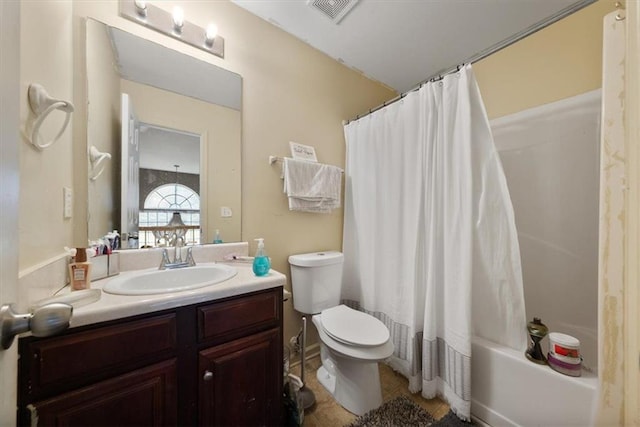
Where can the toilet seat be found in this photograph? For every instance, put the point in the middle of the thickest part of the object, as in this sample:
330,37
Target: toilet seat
353,327
372,354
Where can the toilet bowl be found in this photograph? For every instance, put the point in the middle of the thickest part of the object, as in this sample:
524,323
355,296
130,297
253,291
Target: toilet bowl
351,342
349,370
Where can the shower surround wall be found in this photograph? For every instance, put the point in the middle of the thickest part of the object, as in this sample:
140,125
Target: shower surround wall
550,156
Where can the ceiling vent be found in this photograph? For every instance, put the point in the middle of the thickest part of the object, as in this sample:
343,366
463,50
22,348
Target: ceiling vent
335,10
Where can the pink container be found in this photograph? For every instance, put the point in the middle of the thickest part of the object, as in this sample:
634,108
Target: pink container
571,369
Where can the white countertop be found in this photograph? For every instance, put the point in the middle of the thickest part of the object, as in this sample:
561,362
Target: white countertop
111,307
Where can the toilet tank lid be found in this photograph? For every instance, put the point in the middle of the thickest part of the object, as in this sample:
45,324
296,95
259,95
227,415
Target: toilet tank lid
316,259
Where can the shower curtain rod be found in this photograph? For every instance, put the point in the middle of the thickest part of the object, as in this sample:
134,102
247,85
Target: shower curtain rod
481,55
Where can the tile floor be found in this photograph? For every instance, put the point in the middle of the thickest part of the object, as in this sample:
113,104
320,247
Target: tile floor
327,413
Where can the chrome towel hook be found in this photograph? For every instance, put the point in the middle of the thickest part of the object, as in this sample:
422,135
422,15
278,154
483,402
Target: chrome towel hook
42,104
97,162
620,15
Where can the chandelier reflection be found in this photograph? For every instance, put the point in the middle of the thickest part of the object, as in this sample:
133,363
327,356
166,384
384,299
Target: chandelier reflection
173,233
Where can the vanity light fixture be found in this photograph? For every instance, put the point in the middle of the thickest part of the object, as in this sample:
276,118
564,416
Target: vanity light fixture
210,34
177,16
174,25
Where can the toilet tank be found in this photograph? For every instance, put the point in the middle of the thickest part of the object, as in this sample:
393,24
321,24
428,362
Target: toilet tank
316,280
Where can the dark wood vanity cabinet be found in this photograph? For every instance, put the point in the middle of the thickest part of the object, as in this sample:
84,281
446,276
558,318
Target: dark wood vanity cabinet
216,363
238,385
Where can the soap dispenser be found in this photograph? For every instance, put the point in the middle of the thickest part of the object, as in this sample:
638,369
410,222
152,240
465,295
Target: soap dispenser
261,262
80,271
217,238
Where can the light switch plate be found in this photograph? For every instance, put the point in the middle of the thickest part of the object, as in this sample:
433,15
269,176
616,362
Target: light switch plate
225,212
67,197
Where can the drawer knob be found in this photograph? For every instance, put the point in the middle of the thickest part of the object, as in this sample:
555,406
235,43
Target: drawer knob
208,375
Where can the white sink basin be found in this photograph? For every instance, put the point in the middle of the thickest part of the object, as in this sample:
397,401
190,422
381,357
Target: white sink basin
168,281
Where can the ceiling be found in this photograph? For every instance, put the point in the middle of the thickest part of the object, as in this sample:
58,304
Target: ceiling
401,43
164,149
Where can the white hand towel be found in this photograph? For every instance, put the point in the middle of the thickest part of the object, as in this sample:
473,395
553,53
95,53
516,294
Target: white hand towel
312,187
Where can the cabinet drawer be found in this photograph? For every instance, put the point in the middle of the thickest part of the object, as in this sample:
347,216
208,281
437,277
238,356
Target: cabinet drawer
240,316
79,357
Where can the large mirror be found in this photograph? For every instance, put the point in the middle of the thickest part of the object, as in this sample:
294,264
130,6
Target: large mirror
172,124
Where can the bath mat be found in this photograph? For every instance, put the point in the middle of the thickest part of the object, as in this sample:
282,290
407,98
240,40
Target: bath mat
403,412
451,420
400,411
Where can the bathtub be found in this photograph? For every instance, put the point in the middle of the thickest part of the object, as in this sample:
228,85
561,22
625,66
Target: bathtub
509,390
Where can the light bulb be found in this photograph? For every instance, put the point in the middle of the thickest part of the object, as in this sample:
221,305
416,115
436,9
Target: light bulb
178,19
141,7
210,35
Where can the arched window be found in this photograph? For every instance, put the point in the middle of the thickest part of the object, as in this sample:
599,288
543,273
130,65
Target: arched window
162,202
173,197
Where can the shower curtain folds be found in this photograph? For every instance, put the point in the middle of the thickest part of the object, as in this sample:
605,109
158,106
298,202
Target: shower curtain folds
429,234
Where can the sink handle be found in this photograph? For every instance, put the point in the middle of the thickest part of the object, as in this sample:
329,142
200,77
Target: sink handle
47,320
165,259
190,259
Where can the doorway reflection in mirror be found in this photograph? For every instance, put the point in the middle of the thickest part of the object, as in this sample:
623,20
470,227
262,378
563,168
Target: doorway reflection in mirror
169,200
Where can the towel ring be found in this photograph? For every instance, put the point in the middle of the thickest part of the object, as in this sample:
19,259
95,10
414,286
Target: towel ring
42,105
96,159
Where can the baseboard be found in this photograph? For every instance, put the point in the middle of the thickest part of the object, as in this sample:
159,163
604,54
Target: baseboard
311,352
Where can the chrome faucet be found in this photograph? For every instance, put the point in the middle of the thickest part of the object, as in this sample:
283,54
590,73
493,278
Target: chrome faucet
178,243
167,264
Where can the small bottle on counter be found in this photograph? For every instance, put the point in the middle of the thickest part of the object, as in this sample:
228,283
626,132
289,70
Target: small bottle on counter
217,238
116,240
80,271
261,262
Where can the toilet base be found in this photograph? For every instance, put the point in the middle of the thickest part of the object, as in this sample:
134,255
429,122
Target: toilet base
355,385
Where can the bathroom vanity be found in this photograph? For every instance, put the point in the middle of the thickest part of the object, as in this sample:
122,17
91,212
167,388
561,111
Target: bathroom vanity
211,356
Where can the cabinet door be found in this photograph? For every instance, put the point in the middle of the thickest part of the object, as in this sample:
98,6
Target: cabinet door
145,397
241,381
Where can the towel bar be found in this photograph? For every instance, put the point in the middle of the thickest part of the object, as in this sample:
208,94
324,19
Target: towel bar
274,159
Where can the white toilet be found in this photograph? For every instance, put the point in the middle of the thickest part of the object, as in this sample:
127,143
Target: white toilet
352,342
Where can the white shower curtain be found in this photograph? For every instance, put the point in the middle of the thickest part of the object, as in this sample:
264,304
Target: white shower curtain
429,236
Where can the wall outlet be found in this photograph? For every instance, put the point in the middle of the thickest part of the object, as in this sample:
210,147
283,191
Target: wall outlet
67,198
225,212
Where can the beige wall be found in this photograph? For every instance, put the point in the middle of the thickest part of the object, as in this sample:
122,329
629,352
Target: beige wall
219,128
45,58
562,60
